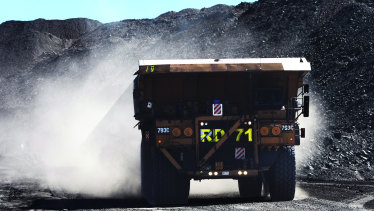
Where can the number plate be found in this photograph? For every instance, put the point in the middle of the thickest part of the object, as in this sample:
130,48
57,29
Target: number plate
213,131
163,130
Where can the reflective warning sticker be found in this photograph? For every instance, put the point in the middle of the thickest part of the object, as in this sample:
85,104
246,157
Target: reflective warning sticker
147,135
217,109
240,153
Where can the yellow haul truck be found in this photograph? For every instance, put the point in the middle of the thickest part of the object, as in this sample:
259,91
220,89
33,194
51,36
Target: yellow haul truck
219,118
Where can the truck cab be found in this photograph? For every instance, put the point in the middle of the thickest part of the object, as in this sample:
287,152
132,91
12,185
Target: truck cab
219,118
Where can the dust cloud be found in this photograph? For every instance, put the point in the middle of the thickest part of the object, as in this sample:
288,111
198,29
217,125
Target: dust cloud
77,136
300,194
213,187
314,125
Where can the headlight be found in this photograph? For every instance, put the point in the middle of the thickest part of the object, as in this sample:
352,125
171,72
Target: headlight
264,131
176,132
188,132
276,131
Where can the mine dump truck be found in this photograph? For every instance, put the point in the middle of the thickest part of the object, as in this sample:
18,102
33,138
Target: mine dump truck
219,118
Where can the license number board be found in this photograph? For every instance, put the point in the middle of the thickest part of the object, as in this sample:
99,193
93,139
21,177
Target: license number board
213,131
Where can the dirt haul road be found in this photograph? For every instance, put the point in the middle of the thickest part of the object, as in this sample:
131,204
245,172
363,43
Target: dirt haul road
310,195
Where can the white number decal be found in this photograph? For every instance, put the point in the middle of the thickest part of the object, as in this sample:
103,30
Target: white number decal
164,130
287,127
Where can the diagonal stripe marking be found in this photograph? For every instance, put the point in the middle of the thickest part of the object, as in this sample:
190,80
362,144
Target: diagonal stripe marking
241,154
217,108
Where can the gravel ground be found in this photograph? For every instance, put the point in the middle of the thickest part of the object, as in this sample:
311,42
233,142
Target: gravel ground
310,195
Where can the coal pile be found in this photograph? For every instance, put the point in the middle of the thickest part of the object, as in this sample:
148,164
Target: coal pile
342,53
335,36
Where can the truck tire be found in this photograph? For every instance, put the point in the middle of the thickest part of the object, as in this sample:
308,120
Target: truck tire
282,175
146,168
162,184
250,187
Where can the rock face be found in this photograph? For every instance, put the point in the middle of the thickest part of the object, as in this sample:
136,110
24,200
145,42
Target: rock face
335,36
23,44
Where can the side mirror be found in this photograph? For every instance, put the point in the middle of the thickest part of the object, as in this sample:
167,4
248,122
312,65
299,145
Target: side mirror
302,135
306,106
306,88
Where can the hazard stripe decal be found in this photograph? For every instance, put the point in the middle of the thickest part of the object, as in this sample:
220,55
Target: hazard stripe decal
217,110
240,153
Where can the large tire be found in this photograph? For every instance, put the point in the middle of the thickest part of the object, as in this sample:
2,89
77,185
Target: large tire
162,184
146,168
250,187
282,175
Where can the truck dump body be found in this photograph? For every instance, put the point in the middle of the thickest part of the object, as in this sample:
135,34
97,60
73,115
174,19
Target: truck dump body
219,118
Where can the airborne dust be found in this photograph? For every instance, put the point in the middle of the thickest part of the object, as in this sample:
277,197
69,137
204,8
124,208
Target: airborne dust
69,140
